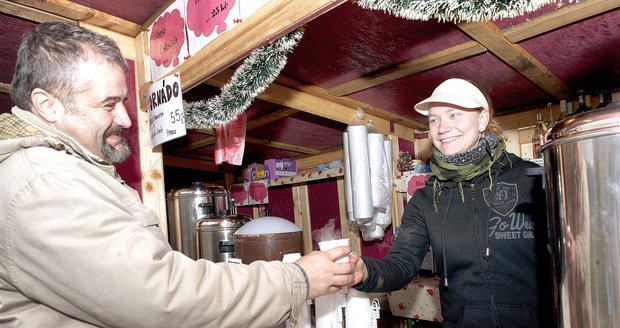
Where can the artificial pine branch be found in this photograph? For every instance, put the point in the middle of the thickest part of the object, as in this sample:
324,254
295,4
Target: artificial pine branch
455,11
251,78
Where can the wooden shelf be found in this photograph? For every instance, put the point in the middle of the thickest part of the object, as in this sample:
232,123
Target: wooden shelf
305,177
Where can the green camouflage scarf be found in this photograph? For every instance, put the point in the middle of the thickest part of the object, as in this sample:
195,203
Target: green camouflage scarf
465,166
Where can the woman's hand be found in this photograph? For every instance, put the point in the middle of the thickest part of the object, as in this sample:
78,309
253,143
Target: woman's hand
360,273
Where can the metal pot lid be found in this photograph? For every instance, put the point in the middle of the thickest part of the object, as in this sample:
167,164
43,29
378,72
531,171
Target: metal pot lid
199,189
223,221
267,225
594,123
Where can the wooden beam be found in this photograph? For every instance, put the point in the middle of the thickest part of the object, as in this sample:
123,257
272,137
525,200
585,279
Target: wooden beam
319,106
272,117
301,208
222,77
369,109
199,164
347,230
196,145
125,43
311,162
151,163
250,139
564,16
282,145
80,13
32,14
5,87
349,102
414,66
492,38
271,21
526,118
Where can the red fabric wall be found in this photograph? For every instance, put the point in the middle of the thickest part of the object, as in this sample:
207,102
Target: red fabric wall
281,203
129,170
323,200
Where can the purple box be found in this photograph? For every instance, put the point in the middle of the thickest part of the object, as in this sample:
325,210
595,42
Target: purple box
255,172
279,168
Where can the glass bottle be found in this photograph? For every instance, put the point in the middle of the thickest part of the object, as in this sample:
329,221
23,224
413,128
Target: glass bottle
551,120
570,108
563,110
581,97
539,135
604,98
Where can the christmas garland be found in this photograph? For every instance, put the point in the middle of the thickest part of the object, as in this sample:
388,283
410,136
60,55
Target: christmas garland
251,78
455,10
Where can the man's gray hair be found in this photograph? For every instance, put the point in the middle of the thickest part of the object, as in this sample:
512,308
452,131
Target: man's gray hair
49,57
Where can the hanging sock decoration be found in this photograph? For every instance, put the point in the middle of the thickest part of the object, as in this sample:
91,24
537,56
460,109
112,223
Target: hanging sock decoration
251,78
455,11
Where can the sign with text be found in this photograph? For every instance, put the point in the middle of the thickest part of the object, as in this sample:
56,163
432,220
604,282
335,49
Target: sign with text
166,110
208,19
167,40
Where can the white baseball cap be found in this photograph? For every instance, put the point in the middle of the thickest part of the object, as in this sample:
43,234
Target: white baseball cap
457,92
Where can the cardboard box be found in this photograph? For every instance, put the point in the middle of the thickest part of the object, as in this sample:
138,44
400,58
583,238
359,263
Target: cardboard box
278,168
256,172
250,193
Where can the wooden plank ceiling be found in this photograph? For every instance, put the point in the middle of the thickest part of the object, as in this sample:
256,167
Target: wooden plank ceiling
352,58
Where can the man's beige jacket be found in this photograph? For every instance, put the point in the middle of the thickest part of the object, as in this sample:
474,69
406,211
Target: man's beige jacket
79,249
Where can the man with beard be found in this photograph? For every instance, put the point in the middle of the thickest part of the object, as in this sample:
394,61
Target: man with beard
77,247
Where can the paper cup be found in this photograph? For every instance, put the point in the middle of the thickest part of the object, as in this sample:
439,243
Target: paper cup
329,244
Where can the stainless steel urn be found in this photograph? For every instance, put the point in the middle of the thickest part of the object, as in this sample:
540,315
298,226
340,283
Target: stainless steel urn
582,164
214,236
186,206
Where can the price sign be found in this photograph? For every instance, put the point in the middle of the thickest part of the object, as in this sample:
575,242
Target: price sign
166,110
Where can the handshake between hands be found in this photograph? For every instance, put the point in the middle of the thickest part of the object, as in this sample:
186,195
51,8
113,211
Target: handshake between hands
326,276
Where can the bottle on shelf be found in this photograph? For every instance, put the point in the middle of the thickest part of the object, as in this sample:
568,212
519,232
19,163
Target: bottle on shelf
581,97
538,137
604,98
563,110
570,108
551,120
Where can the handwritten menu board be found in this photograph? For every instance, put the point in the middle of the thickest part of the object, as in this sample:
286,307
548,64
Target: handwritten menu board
165,103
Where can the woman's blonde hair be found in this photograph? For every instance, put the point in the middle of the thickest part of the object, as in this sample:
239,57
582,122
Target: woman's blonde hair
493,126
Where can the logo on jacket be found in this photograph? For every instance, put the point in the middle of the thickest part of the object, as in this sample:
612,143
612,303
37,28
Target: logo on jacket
505,196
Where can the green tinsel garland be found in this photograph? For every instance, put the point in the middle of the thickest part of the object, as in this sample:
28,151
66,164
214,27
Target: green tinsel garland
455,11
251,78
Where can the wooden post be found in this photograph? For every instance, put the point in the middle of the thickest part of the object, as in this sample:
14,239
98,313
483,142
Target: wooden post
346,230
151,161
397,197
302,214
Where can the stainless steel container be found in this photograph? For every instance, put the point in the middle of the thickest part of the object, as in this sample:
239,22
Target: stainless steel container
215,236
188,205
582,163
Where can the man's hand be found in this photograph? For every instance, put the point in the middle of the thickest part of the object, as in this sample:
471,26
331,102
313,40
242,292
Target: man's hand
325,276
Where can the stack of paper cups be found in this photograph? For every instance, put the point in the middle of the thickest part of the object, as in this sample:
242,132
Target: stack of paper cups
328,308
329,244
